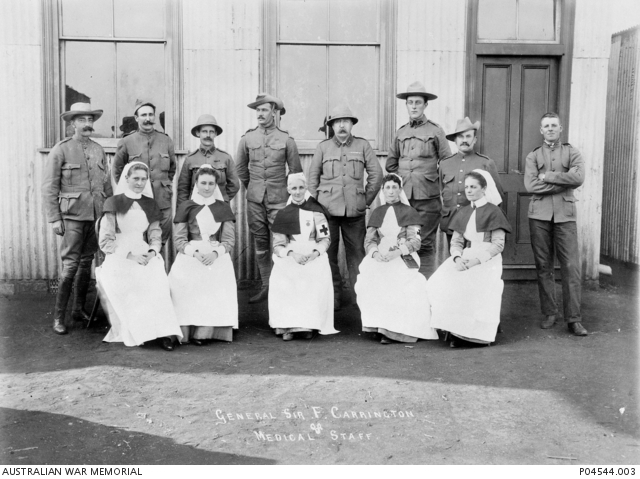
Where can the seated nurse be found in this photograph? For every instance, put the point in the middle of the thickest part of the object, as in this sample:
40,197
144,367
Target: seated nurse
465,292
301,288
203,282
132,282
391,296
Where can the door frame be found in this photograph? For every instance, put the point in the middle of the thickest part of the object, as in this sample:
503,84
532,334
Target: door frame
563,49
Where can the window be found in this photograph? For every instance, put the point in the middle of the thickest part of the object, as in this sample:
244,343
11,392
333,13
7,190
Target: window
513,21
332,52
111,53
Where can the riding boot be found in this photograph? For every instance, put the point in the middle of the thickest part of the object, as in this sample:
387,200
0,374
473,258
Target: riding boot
83,279
62,299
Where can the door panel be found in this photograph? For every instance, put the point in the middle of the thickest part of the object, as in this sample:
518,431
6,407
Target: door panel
512,94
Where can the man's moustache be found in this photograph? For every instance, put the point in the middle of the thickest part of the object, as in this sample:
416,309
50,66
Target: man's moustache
87,128
464,144
148,123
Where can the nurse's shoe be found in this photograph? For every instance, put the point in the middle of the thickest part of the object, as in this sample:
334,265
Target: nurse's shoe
385,340
287,336
166,344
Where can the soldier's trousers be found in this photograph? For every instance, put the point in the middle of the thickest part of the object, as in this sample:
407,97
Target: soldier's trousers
548,238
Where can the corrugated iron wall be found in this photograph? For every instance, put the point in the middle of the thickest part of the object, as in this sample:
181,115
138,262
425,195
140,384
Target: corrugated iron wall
620,210
28,248
221,42
588,104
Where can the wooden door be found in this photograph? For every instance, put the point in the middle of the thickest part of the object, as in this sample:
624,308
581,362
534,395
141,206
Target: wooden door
512,93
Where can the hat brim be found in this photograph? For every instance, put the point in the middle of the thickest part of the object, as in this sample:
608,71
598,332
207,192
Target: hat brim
352,118
68,115
452,136
426,96
194,130
279,105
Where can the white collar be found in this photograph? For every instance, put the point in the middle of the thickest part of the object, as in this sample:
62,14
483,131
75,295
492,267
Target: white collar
131,194
481,202
201,200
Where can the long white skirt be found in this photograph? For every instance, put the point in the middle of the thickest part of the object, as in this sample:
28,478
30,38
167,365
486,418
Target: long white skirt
393,297
467,303
204,295
137,299
301,296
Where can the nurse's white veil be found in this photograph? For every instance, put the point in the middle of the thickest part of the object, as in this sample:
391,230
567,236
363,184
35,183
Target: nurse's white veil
123,186
403,195
201,200
491,193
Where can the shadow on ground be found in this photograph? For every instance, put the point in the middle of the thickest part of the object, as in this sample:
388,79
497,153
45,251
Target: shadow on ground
43,438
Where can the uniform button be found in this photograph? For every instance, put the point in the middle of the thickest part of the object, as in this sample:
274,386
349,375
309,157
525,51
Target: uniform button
459,181
457,206
463,159
553,169
458,194
460,171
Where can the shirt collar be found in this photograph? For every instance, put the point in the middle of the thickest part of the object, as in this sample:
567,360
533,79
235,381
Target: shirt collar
481,202
418,121
347,141
201,200
268,128
207,151
134,196
552,145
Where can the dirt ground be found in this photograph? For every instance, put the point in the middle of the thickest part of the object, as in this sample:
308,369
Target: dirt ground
533,397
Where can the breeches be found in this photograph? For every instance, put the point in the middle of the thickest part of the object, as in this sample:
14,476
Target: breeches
78,247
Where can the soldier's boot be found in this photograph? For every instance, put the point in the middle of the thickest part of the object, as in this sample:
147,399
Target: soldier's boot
264,265
83,279
62,299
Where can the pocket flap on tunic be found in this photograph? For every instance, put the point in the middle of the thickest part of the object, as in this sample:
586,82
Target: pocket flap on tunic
70,166
74,195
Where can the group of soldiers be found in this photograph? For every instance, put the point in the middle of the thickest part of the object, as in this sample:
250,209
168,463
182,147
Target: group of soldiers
77,181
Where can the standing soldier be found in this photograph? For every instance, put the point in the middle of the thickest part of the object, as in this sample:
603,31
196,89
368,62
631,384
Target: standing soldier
336,179
552,172
156,150
263,154
75,186
415,154
454,169
207,129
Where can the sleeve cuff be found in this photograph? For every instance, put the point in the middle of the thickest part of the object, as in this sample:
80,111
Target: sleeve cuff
190,250
283,252
372,251
484,256
404,250
456,254
220,250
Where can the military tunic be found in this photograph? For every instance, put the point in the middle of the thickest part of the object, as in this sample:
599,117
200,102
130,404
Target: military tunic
223,164
452,172
155,150
336,175
414,155
76,181
261,159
